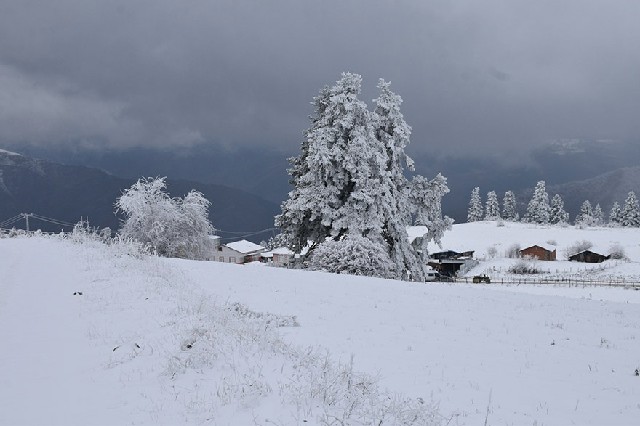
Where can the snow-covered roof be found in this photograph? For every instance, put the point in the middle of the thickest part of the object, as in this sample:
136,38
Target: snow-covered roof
244,246
4,151
281,250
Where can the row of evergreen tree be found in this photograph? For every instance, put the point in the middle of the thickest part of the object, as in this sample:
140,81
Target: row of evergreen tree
541,211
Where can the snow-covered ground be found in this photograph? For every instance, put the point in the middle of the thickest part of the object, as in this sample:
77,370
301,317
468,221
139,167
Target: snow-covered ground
165,341
492,243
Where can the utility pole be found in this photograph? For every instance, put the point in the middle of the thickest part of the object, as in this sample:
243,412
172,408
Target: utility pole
26,219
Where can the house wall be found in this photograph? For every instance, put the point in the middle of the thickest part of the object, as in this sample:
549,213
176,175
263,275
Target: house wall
227,255
539,253
281,259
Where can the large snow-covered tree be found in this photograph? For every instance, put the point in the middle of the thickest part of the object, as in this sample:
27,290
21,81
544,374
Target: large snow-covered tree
349,177
615,216
630,215
475,211
172,227
492,209
557,213
538,208
585,217
598,215
509,207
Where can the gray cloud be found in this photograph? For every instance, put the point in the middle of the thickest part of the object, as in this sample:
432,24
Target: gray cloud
475,76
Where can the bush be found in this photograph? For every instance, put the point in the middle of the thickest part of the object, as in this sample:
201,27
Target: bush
616,251
353,255
492,252
524,266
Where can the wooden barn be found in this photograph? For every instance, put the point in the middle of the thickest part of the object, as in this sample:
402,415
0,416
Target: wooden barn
588,256
538,252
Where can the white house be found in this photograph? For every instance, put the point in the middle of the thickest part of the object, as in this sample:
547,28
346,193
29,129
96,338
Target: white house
239,252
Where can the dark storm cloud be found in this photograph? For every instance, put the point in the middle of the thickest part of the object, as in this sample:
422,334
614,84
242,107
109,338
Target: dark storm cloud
474,75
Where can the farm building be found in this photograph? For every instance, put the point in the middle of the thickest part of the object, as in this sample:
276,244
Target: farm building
588,256
239,252
449,263
538,252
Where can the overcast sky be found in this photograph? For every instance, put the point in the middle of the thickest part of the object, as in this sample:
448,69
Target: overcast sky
475,76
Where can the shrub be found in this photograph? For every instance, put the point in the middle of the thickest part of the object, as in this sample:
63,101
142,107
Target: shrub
492,252
353,255
616,251
524,266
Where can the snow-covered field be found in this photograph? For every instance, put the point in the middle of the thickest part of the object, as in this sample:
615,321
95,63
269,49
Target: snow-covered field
492,243
165,341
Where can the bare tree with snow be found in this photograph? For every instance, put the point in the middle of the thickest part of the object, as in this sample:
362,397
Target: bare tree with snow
172,227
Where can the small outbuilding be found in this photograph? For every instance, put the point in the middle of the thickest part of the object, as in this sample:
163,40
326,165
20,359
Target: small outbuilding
538,252
588,256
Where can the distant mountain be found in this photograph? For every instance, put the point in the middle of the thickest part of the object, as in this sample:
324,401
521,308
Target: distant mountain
262,170
68,193
604,189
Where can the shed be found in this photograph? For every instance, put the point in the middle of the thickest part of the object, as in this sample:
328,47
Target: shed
539,253
588,256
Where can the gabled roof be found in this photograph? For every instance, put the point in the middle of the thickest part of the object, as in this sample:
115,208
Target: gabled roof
245,247
539,246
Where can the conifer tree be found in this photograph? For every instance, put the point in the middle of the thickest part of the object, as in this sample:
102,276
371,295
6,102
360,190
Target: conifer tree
585,217
492,209
615,216
598,215
557,214
631,211
349,180
509,207
475,206
538,208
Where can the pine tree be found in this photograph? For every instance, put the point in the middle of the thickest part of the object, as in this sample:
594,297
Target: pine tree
557,213
492,209
349,178
538,208
426,200
615,216
598,215
585,217
475,206
509,207
631,211
396,208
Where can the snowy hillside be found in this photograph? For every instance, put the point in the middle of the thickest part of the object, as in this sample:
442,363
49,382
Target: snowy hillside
492,243
165,341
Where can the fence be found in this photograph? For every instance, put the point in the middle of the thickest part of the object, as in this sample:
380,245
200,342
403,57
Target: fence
570,282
